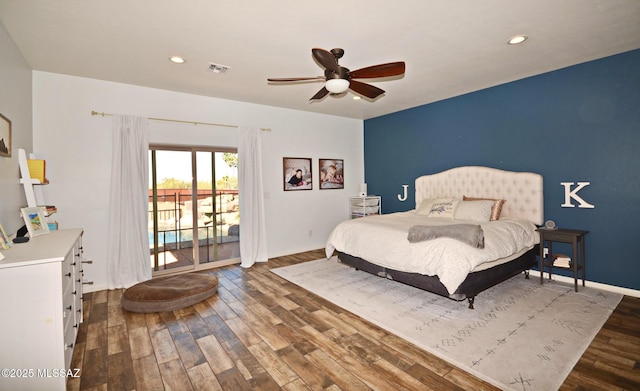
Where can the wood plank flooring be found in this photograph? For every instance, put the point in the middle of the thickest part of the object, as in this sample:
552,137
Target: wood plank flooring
261,332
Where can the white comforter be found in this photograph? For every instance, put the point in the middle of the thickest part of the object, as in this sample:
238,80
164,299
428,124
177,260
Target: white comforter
382,239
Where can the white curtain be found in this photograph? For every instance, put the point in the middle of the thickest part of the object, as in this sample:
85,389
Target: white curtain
128,241
253,231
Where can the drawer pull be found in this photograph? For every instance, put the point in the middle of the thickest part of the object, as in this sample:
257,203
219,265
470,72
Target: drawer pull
87,282
68,274
68,346
69,308
89,261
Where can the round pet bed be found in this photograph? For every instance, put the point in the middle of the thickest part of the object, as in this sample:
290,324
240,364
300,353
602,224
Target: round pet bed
169,293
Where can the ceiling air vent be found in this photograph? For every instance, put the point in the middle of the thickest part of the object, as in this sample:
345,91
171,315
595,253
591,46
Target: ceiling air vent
217,68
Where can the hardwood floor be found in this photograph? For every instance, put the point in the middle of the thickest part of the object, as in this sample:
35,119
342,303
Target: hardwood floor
262,332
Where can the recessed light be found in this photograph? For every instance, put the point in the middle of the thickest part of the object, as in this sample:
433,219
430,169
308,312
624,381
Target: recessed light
517,39
176,59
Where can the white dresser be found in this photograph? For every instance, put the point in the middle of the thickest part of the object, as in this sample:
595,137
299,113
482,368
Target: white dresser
41,307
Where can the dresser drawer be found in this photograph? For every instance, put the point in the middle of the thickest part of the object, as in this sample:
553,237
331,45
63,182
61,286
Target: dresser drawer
76,293
68,302
70,332
66,269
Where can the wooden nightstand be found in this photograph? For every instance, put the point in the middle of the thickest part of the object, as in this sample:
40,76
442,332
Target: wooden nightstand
573,236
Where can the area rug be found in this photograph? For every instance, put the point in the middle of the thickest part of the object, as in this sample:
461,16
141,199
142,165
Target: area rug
520,336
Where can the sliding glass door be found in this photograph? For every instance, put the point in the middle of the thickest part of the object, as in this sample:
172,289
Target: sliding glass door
193,208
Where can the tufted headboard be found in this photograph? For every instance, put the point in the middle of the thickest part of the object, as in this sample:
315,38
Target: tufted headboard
522,190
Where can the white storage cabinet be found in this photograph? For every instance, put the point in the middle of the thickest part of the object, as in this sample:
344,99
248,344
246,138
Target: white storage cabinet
41,307
364,206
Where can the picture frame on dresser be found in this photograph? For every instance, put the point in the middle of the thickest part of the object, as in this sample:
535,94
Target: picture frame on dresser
5,136
5,243
331,173
35,221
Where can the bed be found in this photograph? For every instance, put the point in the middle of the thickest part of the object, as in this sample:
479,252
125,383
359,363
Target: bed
455,266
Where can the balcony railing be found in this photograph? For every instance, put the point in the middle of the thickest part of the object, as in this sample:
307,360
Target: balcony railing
175,218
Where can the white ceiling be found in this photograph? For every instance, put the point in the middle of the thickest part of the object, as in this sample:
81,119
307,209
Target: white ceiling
450,47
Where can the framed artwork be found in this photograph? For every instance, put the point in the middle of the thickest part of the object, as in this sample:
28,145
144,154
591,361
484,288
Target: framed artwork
331,173
5,136
5,243
297,173
35,221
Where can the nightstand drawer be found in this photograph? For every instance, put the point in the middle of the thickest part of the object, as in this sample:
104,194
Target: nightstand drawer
559,237
562,235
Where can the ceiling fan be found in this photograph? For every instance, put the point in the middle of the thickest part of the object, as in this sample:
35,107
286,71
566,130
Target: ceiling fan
339,79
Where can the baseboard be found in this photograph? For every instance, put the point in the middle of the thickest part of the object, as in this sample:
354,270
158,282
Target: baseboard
591,284
94,288
533,273
103,287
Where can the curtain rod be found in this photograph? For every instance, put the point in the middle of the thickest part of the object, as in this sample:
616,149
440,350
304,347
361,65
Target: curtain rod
180,121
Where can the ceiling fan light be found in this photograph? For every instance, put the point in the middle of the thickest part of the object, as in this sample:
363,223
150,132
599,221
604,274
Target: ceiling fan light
337,86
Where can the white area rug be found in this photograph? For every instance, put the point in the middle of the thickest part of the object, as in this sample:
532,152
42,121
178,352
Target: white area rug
520,336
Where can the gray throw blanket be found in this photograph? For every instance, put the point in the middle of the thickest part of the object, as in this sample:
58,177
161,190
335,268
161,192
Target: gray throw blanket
470,234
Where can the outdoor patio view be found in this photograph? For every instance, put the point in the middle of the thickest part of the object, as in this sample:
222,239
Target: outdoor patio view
191,226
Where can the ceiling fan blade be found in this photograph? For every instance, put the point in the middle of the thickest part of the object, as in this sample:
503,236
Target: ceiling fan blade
326,59
290,79
320,94
381,70
365,89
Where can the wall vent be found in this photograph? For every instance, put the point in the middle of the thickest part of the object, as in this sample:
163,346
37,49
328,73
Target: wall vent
217,68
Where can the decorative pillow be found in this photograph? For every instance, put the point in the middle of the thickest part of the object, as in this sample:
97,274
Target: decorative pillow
425,205
497,205
479,211
443,209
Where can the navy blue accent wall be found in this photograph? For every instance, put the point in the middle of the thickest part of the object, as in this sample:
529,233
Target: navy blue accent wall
577,124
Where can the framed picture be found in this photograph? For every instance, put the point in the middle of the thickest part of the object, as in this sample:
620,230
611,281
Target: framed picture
331,173
35,221
5,243
297,173
5,136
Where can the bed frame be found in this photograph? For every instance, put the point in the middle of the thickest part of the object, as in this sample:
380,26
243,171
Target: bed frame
524,195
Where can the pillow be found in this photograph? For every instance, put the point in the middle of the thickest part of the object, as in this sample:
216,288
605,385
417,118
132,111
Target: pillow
497,205
425,205
443,209
474,210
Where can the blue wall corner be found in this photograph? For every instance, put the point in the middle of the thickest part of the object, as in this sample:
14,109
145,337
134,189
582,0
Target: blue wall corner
577,124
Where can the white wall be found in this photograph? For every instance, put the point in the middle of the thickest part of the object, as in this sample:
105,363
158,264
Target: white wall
77,147
15,104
